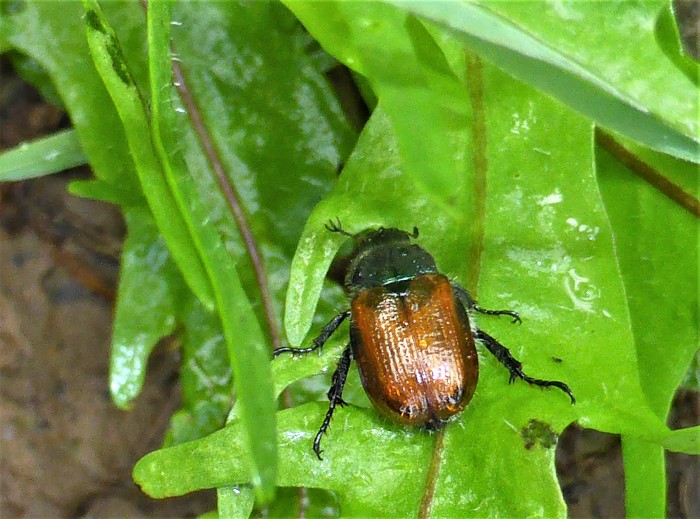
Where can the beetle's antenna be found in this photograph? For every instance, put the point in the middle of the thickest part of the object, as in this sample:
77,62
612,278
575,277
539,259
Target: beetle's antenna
336,226
414,235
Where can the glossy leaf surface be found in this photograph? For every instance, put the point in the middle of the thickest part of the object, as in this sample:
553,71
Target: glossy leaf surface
655,237
659,267
532,158
246,346
557,49
150,288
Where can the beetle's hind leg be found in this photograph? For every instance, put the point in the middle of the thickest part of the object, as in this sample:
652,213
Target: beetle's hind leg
319,341
335,395
515,367
470,304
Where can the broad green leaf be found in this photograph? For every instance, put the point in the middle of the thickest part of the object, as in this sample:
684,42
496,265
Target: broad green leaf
109,60
208,462
149,291
564,284
279,151
661,282
557,48
42,157
556,274
654,238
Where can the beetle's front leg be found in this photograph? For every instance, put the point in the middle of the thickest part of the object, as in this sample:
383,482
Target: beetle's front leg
515,367
319,341
335,395
470,304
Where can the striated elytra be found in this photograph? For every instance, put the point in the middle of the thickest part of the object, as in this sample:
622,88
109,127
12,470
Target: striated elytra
410,333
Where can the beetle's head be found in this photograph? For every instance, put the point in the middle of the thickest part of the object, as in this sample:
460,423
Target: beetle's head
381,237
383,256
370,238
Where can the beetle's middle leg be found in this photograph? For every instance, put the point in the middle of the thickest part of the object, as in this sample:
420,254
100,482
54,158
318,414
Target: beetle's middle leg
319,341
335,395
470,304
515,367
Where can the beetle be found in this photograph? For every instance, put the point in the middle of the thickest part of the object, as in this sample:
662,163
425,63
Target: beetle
412,334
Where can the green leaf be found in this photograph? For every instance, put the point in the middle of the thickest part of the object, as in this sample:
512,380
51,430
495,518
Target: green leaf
109,60
247,349
642,190
235,502
205,375
420,93
283,160
149,291
279,151
660,277
556,272
683,440
557,49
204,463
99,190
52,34
41,157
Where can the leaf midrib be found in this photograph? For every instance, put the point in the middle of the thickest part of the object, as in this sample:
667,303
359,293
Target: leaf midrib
479,143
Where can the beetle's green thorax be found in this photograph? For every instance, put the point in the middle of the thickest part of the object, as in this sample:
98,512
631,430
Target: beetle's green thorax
384,257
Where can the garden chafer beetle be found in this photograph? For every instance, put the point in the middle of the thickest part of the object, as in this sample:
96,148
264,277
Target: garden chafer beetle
411,334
